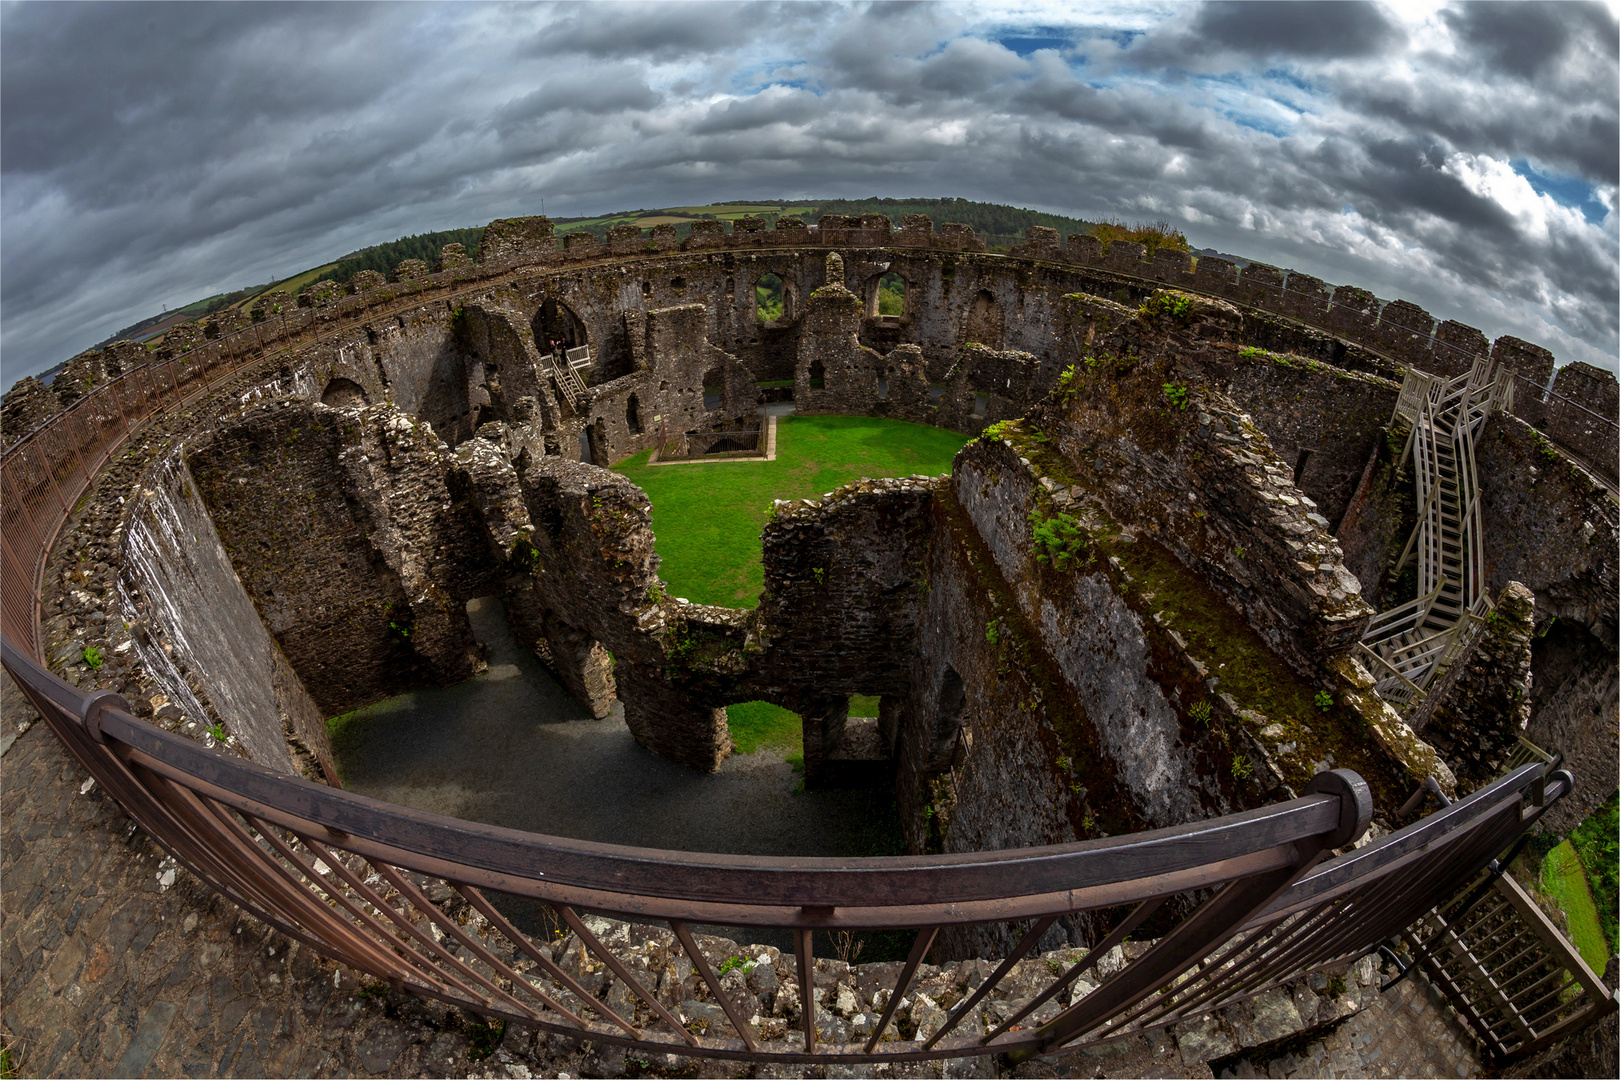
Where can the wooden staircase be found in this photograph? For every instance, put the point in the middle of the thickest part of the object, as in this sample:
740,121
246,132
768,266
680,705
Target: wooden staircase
567,376
1409,646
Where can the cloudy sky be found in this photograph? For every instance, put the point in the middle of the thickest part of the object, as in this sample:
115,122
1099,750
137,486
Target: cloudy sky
1461,156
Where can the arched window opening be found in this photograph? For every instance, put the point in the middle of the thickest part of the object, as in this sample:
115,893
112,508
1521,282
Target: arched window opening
984,324
770,299
342,393
632,415
714,389
818,374
883,387
891,295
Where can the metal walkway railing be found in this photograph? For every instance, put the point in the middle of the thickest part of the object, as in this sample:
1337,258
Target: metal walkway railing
1411,645
427,902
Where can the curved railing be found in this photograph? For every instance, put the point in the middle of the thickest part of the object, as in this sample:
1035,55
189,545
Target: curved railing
431,904
427,902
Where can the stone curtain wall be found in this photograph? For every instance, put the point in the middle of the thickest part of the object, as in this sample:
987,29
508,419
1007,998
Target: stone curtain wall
955,293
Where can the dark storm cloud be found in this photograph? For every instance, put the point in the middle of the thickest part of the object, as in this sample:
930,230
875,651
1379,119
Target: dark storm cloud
656,32
1526,39
154,154
1263,28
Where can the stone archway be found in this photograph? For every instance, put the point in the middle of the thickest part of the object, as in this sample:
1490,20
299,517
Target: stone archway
556,321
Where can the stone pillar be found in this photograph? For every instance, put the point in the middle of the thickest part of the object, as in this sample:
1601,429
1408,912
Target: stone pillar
582,665
824,720
667,720
1475,713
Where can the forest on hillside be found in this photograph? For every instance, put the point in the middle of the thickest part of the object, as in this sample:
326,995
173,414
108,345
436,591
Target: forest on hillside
425,246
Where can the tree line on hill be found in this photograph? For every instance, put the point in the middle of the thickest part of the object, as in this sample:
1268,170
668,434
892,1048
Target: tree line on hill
425,246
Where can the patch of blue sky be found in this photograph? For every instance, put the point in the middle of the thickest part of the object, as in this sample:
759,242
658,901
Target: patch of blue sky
1265,125
765,74
1241,100
1026,42
1292,78
1570,191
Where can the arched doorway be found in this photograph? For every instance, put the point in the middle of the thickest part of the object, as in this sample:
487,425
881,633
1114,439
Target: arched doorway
556,321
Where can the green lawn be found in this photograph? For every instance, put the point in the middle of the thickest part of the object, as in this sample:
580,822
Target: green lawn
1563,877
1595,841
709,516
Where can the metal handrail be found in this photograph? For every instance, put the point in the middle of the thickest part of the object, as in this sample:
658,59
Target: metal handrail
311,860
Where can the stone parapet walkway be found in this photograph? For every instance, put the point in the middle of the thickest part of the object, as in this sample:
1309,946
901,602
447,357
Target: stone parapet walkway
115,963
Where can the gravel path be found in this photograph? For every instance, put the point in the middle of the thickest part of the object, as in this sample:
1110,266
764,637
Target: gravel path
513,749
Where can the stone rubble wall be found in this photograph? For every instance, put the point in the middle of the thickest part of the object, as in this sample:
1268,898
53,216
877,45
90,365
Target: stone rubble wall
1475,713
193,624
1200,474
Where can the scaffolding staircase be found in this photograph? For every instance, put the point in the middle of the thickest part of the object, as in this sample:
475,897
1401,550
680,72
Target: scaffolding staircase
1410,646
566,373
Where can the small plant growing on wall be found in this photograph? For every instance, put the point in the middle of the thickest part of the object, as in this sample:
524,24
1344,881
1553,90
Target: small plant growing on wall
1324,700
992,633
93,657
1177,393
1175,305
1200,712
1241,768
1060,541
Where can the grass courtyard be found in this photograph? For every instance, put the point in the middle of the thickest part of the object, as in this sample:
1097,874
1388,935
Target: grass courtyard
709,516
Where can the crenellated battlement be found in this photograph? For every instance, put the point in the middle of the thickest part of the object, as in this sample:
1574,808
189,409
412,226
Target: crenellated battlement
1575,407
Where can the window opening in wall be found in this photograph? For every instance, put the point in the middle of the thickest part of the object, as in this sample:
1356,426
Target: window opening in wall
769,300
981,404
632,415
983,320
714,386
1299,465
677,283
818,374
891,295
585,445
712,398
935,392
883,387
646,288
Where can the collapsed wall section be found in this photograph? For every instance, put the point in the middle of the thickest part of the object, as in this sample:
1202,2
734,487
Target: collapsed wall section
344,532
